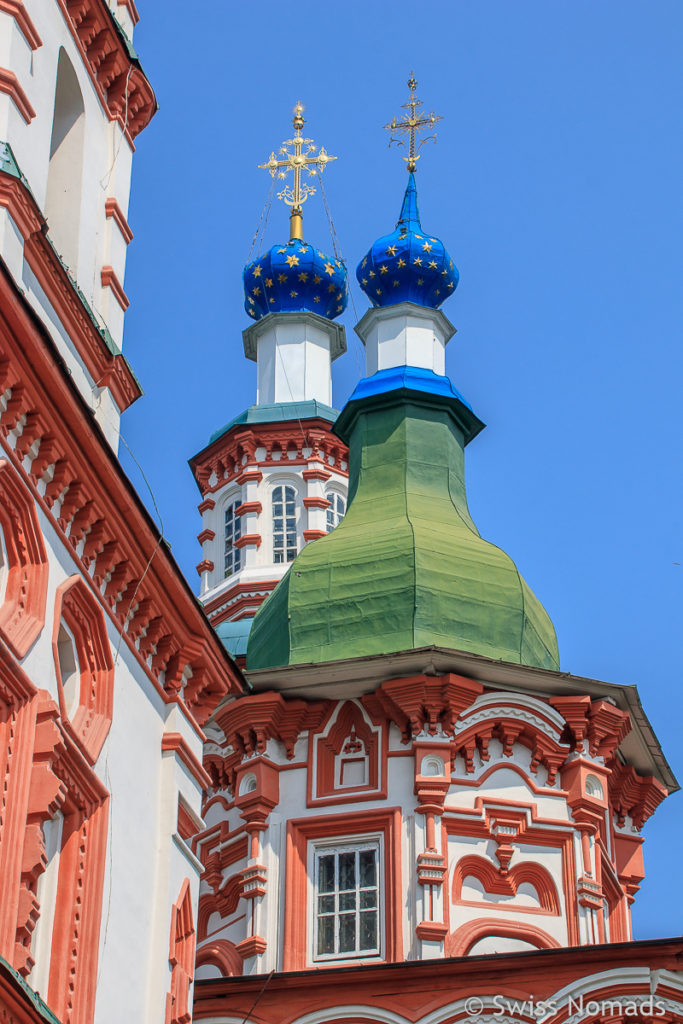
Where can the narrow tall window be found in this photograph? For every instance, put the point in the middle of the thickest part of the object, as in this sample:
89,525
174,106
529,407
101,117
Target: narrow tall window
347,901
65,173
336,510
233,532
284,524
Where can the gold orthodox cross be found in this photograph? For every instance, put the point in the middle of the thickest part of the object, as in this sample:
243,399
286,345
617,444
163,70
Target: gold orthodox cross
302,158
410,123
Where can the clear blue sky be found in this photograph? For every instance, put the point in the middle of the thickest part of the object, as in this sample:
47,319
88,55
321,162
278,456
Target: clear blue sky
555,184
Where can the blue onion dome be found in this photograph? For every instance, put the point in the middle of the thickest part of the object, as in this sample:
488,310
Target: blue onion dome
293,278
408,265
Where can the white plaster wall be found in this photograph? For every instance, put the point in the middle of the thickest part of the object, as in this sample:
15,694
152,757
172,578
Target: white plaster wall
404,336
293,364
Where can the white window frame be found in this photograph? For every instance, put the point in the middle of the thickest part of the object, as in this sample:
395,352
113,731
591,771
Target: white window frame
333,497
284,484
236,500
371,840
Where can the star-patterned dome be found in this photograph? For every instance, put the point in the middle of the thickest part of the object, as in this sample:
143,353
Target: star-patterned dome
408,265
293,278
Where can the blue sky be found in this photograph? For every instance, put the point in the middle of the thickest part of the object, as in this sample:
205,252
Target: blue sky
556,186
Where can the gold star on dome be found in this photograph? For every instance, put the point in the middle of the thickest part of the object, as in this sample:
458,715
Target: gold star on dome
432,264
373,274
321,254
444,272
413,121
379,291
365,280
282,250
437,292
364,263
330,287
271,300
419,236
317,279
303,249
269,282
417,261
391,250
316,298
329,269
256,291
292,260
298,155
257,270
383,269
401,263
420,280
396,284
282,278
427,247
293,293
303,276
451,285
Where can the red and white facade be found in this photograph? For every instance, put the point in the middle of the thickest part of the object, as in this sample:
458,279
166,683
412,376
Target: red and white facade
503,807
107,668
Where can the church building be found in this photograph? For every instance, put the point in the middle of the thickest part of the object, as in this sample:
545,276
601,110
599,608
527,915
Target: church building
351,782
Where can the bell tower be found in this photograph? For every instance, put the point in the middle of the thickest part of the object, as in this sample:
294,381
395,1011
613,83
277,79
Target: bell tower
275,478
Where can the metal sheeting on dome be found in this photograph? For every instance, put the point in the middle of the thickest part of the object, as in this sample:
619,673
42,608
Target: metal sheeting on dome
293,278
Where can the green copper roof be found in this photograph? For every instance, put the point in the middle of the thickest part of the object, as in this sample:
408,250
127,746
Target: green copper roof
406,567
16,980
280,412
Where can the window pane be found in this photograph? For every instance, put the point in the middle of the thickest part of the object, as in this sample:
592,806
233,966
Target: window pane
326,873
368,868
326,904
347,933
368,930
347,870
325,935
368,899
347,901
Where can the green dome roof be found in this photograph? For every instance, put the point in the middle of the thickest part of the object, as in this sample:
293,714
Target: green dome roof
406,567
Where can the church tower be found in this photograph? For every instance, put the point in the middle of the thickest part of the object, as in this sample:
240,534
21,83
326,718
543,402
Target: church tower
415,812
275,478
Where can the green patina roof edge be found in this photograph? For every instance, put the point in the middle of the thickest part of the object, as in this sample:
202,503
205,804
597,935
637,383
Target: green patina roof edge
279,412
8,164
33,997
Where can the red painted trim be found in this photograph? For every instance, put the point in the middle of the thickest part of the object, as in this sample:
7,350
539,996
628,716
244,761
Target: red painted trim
223,954
206,535
122,88
253,476
173,741
247,507
206,506
89,726
106,370
110,280
186,824
322,503
22,615
16,10
316,474
322,751
461,941
132,10
181,958
497,883
237,588
302,831
314,534
248,540
113,210
9,83
205,566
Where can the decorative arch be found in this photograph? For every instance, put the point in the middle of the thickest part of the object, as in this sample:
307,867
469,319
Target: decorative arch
459,942
65,172
221,953
494,881
181,958
25,569
87,722
346,756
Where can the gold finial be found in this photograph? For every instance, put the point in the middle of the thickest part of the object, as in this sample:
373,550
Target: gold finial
410,123
301,159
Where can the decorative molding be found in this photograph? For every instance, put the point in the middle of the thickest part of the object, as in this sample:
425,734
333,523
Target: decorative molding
181,958
16,10
78,484
132,10
113,210
248,540
110,280
223,954
173,741
322,503
76,605
120,83
22,614
106,368
459,942
310,535
500,883
10,84
248,507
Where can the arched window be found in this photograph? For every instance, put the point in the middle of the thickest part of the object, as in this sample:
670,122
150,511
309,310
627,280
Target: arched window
65,173
336,510
284,524
233,532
